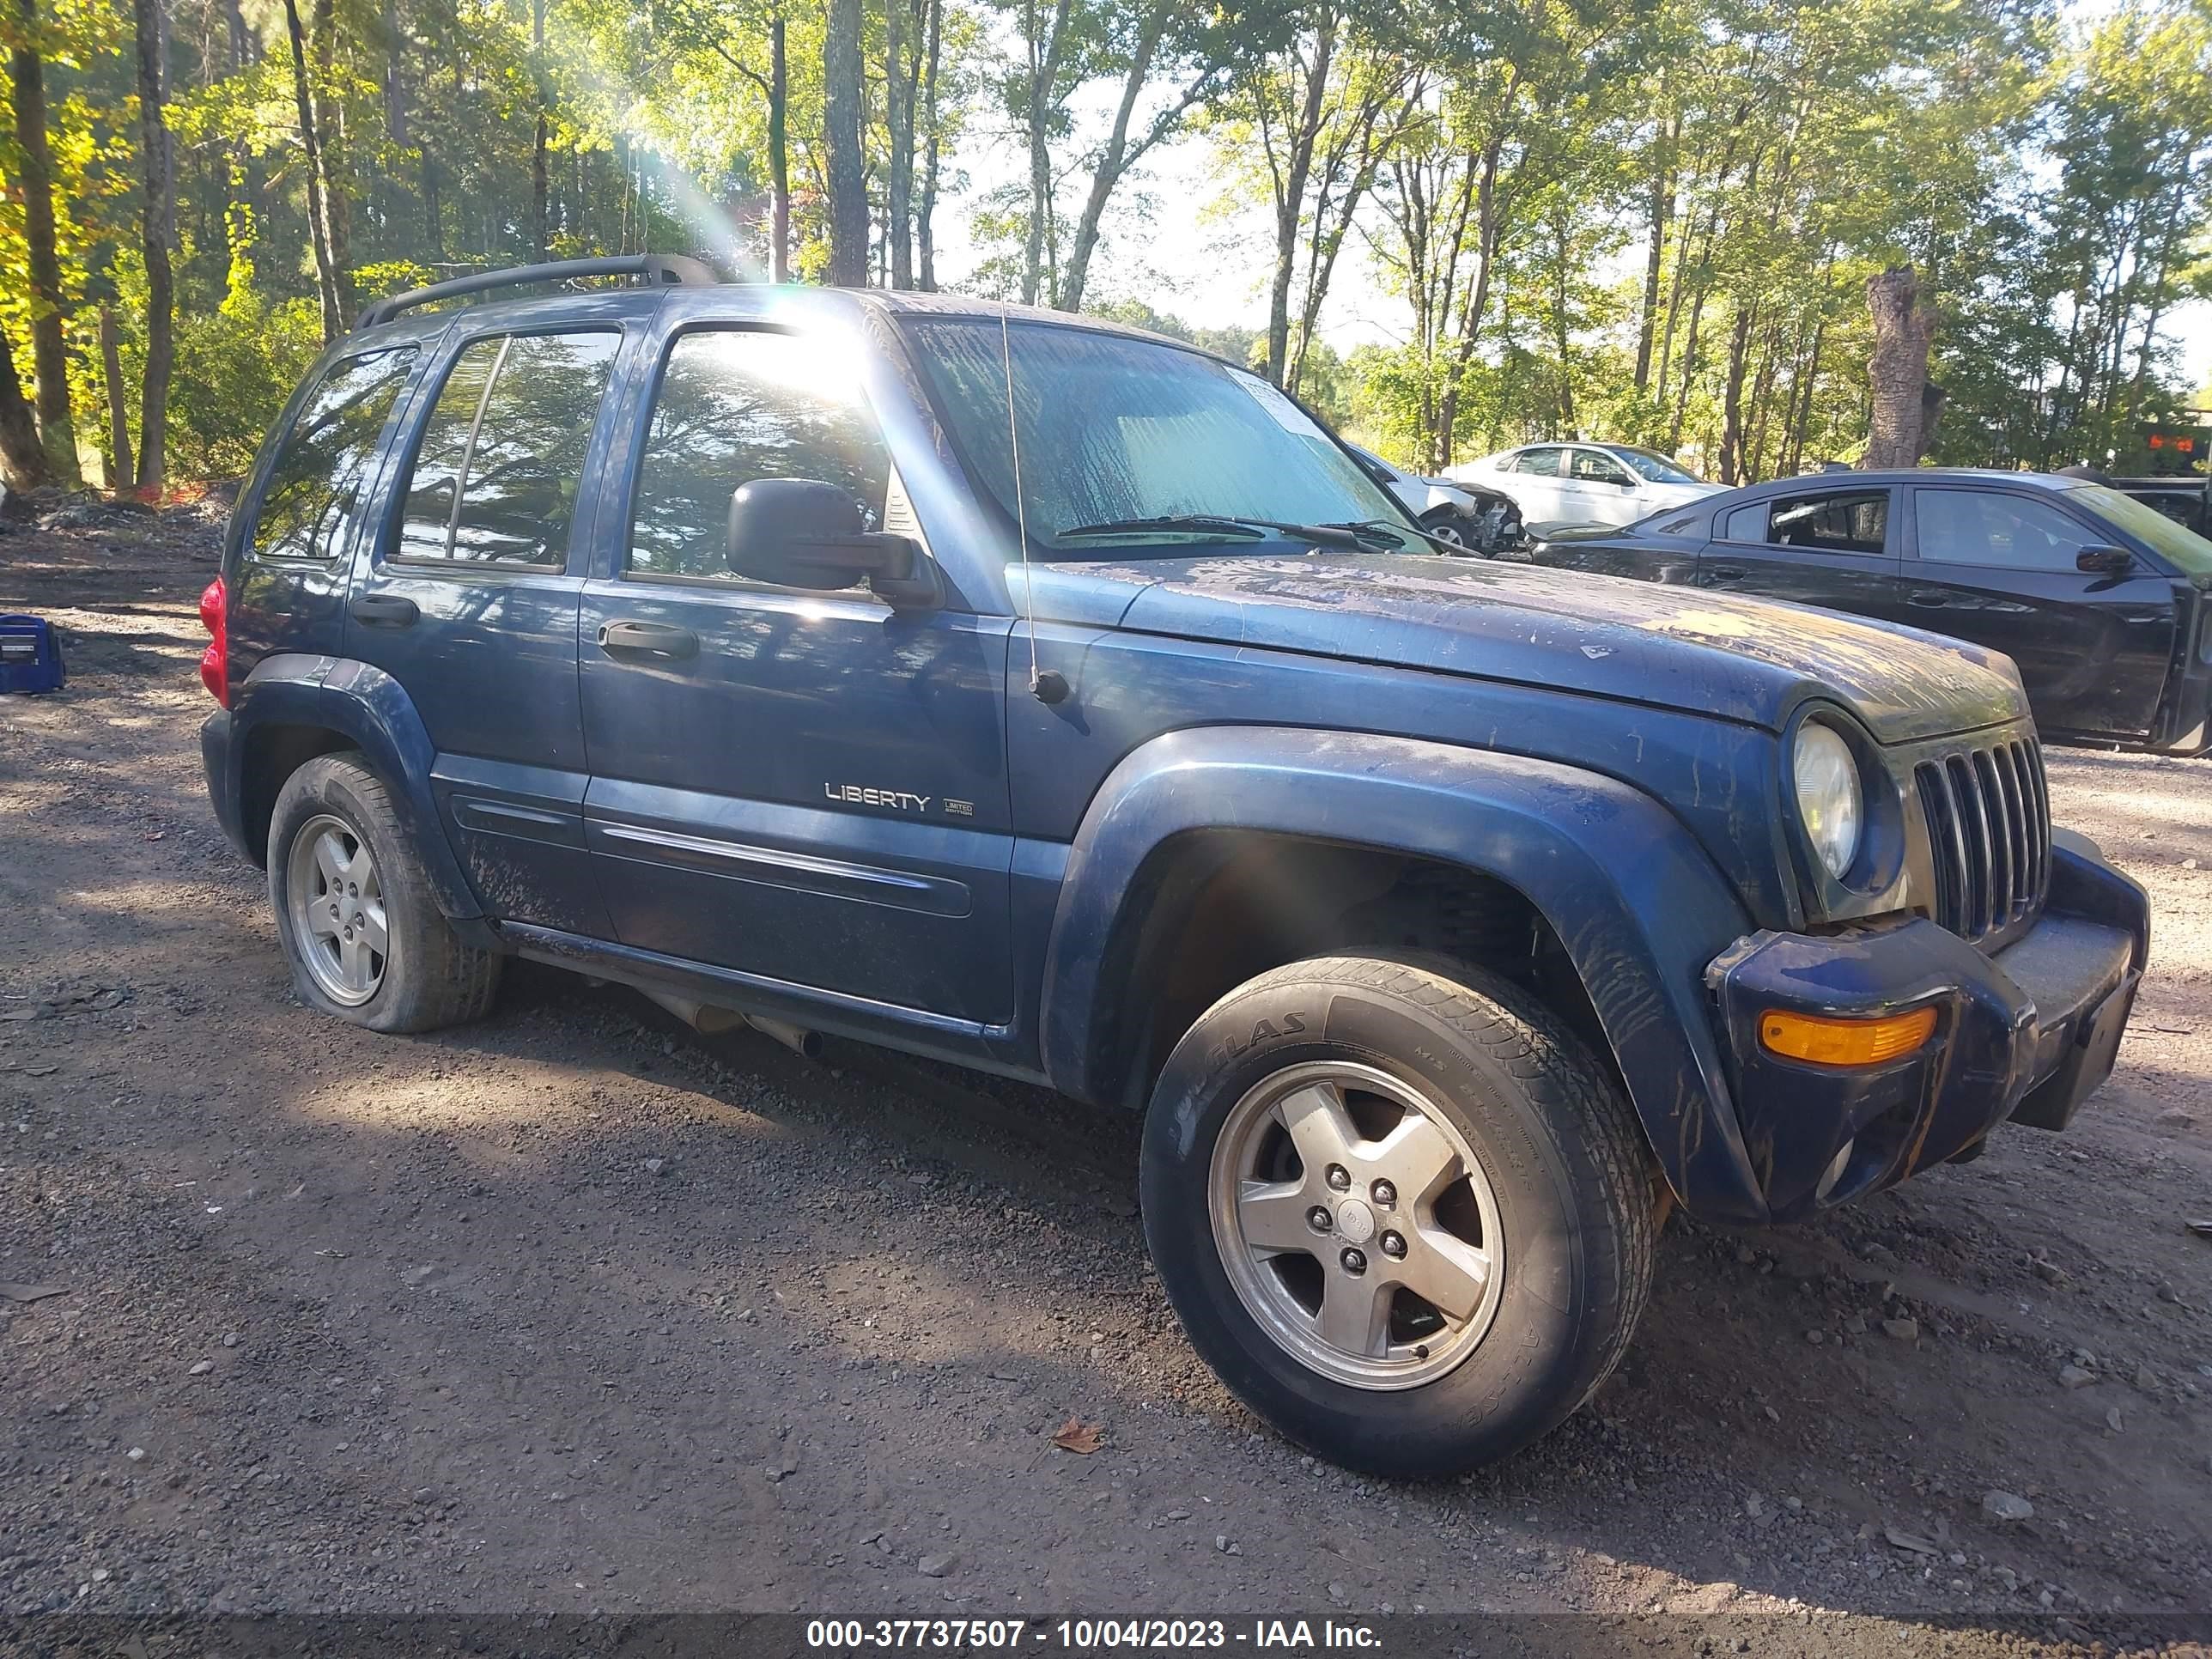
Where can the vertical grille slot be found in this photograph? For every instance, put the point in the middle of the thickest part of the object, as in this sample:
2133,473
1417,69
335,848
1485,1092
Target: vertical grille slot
1989,835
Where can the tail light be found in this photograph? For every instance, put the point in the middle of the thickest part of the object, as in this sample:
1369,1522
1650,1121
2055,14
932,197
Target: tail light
215,661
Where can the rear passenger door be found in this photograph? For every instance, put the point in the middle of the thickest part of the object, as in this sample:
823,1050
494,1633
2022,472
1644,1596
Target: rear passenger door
1996,567
1829,546
1535,484
469,601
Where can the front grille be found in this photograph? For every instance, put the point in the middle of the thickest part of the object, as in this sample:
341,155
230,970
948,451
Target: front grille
1988,831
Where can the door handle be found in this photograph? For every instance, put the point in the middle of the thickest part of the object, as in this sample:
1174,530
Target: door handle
1927,598
1720,576
384,610
661,640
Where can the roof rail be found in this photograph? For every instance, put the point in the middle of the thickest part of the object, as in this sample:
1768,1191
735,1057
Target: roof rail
669,270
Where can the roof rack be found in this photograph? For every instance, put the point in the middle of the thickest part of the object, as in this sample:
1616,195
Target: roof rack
660,269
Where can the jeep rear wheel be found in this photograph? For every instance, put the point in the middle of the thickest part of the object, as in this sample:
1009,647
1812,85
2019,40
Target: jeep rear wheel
354,912
1399,1209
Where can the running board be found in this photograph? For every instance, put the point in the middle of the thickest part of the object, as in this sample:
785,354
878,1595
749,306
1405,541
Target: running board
764,1001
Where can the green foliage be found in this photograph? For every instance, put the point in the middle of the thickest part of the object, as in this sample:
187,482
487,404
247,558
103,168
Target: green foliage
1505,177
234,369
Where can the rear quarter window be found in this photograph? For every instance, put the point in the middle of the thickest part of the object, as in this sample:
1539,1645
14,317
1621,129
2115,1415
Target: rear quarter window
314,491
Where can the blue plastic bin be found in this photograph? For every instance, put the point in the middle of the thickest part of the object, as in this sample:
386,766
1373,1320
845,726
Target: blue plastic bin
30,656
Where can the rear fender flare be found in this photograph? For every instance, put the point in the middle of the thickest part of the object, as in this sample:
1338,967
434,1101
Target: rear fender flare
1637,902
371,710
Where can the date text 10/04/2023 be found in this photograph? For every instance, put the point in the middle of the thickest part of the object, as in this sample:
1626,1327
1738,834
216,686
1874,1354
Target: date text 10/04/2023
1088,1634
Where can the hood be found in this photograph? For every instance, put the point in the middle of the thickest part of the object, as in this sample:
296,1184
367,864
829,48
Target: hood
1674,648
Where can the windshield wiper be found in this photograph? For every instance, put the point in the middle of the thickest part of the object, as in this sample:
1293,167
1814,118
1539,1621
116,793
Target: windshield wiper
1372,532
1323,535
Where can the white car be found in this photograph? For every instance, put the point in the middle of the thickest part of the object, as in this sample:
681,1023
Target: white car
1585,482
1474,518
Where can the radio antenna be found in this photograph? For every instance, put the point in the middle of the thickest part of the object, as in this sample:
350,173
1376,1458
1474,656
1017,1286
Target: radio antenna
1046,688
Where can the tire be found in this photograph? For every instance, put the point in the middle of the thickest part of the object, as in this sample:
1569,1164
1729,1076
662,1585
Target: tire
1560,1194
1446,524
329,813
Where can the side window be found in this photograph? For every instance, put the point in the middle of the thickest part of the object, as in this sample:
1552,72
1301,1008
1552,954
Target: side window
314,486
1745,523
1538,463
1832,521
1974,526
495,475
1599,468
735,406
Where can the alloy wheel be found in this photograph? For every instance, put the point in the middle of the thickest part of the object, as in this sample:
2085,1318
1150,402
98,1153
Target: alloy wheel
336,902
1356,1224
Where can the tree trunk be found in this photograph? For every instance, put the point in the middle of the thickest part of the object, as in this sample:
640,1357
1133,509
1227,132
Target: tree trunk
1290,201
1663,214
433,225
319,220
21,458
1689,372
118,404
49,349
623,209
1112,160
1732,468
925,215
1044,77
898,123
841,101
157,230
1801,421
779,155
541,216
330,145
1897,371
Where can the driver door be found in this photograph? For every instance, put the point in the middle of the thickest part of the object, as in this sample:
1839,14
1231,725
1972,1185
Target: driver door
806,787
1603,489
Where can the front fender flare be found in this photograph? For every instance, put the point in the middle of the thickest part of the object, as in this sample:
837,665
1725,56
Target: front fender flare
1637,902
370,709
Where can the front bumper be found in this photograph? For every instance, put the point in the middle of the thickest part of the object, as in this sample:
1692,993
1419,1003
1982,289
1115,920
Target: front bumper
2028,1033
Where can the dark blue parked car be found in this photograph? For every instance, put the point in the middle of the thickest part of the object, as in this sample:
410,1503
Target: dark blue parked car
2103,603
1041,695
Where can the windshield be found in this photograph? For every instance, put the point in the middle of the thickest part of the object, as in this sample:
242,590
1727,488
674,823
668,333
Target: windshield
2189,553
1657,468
1115,429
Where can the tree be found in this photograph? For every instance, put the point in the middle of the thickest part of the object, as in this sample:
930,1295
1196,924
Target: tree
23,457
49,347
1904,325
1203,50
156,228
1318,115
320,223
847,186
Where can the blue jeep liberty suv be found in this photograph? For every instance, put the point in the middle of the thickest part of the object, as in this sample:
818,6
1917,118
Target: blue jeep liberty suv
1045,696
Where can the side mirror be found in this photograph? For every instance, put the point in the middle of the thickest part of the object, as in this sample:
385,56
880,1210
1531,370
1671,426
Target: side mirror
2103,561
796,532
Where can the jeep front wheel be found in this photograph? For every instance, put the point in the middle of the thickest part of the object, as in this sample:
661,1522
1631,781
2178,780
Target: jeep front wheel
355,912
1398,1210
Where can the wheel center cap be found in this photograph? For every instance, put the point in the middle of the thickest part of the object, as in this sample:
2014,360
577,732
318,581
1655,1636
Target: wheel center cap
1355,1221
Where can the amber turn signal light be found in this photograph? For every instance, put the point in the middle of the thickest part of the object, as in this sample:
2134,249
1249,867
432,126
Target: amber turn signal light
1846,1041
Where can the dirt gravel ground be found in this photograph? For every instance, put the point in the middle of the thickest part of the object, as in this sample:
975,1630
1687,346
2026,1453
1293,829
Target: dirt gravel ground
574,1310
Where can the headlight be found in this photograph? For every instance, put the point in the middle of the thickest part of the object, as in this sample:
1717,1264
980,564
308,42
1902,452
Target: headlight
1830,803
